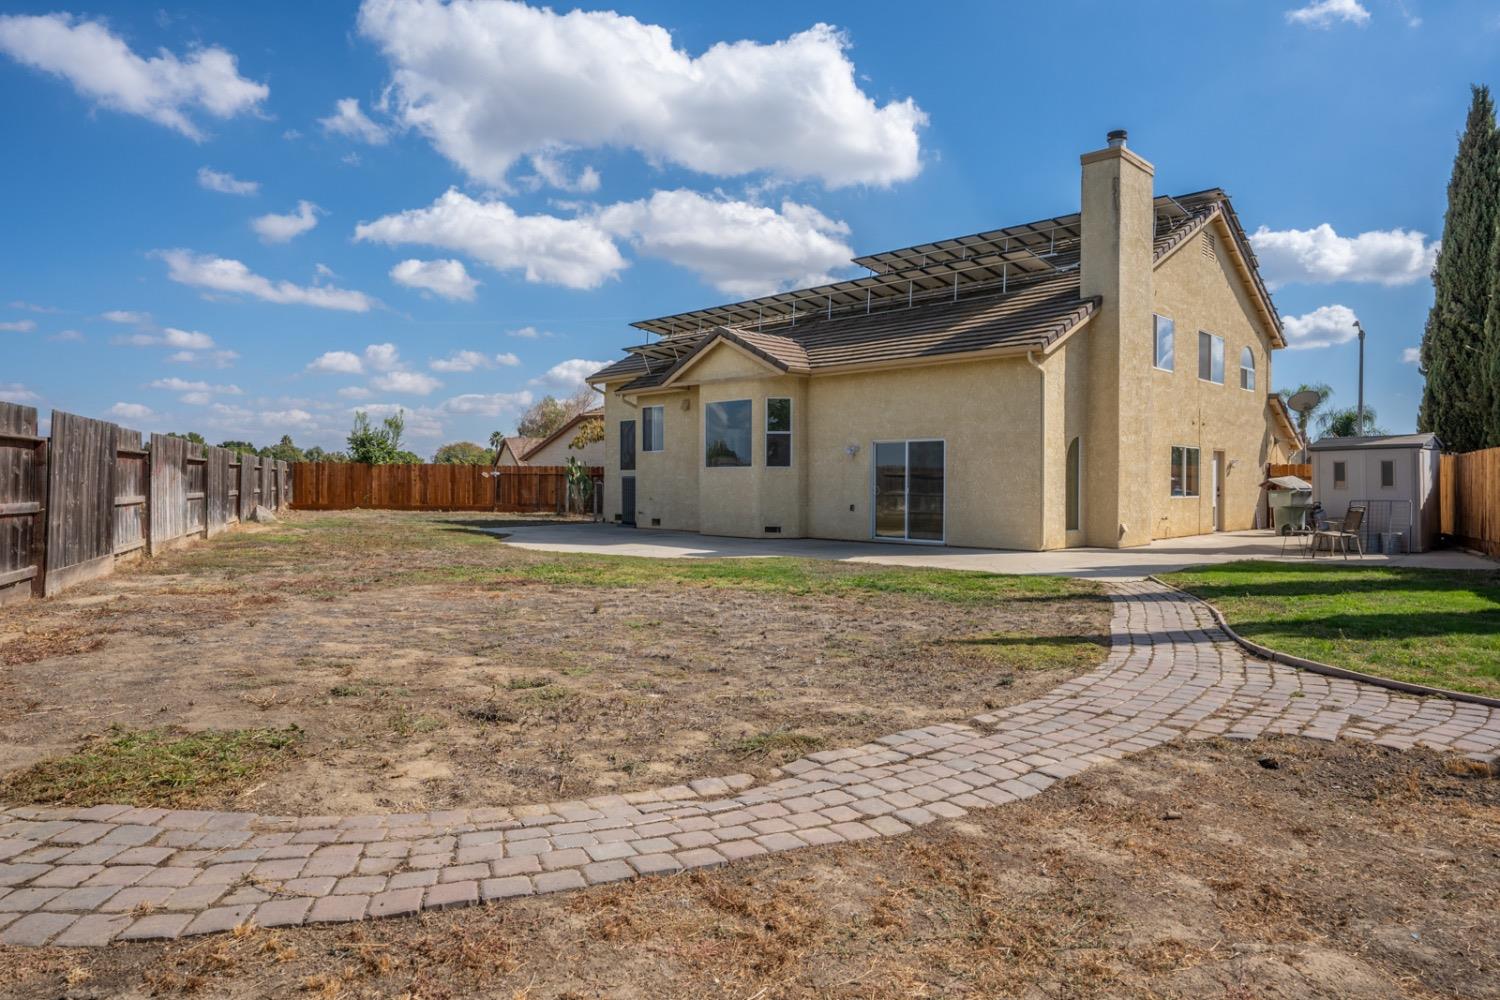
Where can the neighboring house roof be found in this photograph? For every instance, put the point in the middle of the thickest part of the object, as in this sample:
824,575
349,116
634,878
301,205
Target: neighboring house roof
1423,441
1004,291
537,444
517,446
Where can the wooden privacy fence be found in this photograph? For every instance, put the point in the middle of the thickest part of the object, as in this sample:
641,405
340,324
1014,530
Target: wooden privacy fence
1469,499
73,506
516,489
1301,470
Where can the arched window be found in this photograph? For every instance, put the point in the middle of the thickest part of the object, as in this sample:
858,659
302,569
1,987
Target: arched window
1247,369
1074,501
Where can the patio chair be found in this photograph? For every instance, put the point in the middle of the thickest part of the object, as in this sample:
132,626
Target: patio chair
1347,531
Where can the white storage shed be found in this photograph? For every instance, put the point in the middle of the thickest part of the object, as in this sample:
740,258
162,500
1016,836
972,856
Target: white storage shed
1395,476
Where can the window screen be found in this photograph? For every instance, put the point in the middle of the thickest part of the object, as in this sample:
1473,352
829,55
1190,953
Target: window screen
1164,335
627,445
1387,474
778,432
653,429
1211,358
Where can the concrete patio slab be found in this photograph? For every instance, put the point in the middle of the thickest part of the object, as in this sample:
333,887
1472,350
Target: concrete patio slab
1159,557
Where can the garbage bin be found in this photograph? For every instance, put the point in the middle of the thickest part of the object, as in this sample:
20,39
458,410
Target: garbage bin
1391,543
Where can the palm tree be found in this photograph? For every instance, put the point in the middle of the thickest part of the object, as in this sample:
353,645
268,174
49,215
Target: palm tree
496,440
1345,423
1324,391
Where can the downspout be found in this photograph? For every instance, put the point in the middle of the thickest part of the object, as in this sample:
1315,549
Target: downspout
1042,451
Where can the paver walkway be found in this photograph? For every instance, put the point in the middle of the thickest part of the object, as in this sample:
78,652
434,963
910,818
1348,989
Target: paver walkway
107,873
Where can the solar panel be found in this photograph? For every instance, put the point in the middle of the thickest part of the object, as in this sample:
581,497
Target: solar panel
951,267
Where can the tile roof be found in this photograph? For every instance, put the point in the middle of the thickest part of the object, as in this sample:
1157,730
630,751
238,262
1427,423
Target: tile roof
537,444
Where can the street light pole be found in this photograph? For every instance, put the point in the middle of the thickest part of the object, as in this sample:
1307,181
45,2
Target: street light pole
1359,428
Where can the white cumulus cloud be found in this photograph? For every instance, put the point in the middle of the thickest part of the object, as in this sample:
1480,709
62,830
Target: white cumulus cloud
275,228
467,361
568,375
488,404
342,362
1325,326
447,278
214,180
383,357
741,249
402,381
489,83
182,340
1326,13
1321,256
220,274
1411,356
348,120
16,392
18,326
574,253
132,411
102,68
126,316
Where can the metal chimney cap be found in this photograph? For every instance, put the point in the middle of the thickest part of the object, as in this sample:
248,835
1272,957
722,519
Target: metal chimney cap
1116,138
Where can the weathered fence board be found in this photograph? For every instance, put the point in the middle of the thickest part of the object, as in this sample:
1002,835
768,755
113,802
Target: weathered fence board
1301,470
81,504
132,492
23,504
346,485
222,500
179,492
249,485
1469,499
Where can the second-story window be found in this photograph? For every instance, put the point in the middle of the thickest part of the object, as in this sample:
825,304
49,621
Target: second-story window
653,428
1247,369
1164,331
1210,358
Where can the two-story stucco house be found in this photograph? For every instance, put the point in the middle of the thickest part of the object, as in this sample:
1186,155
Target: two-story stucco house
1101,378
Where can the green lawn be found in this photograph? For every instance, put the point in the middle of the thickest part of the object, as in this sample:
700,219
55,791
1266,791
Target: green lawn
1425,626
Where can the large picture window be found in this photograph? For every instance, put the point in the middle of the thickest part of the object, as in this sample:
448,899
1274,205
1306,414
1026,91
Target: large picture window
1211,358
1165,330
1184,472
778,432
726,433
653,430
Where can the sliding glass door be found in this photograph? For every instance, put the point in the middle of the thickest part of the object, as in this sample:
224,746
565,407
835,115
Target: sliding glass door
908,490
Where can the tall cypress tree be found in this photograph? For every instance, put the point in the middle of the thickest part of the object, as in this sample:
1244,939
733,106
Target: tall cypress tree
1453,354
1489,406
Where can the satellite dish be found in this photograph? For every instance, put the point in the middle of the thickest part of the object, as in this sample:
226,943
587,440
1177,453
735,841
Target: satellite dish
1305,401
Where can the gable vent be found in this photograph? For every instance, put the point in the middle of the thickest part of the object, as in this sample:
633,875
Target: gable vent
1209,247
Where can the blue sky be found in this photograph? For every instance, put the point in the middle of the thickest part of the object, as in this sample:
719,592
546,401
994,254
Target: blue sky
248,220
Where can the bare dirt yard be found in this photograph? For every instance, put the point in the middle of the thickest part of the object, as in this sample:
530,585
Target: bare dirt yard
365,661
388,662
1280,869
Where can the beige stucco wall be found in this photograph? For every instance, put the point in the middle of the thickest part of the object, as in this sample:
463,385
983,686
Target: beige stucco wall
558,452
1201,294
666,481
507,457
985,410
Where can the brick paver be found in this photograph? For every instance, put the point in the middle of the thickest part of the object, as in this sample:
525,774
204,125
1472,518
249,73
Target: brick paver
106,873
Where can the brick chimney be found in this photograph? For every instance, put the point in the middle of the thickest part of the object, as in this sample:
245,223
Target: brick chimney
1118,226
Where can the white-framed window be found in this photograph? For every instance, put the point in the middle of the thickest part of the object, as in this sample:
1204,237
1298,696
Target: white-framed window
1210,358
1184,471
1247,369
778,432
653,428
1165,330
1340,476
726,434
